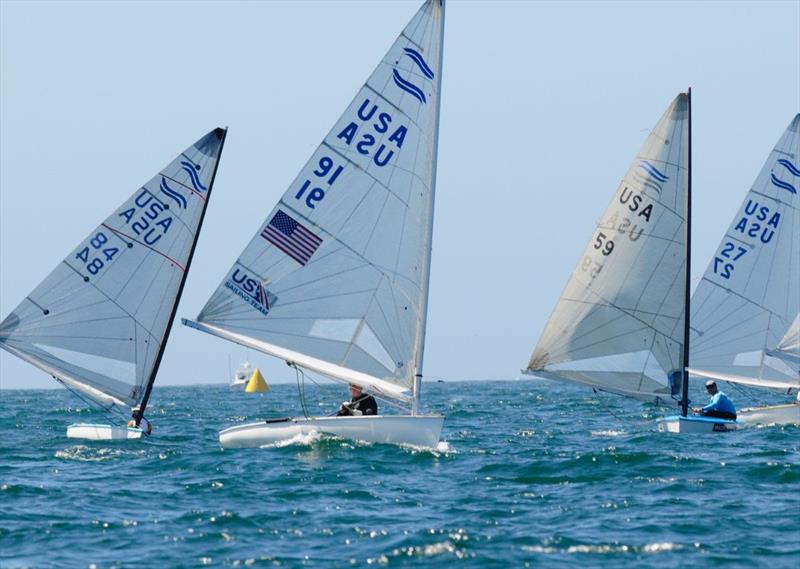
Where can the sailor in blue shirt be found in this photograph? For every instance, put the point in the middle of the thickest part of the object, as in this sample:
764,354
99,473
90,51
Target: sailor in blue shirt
719,405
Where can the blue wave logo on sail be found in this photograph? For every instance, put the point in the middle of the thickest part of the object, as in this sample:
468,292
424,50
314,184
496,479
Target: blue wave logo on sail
417,58
407,85
251,291
169,192
192,169
650,176
780,183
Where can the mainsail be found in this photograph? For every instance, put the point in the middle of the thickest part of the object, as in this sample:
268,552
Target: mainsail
619,324
100,321
789,346
749,298
336,277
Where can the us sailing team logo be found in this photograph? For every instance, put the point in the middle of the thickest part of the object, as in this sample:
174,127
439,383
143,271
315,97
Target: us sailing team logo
407,85
649,176
780,183
251,291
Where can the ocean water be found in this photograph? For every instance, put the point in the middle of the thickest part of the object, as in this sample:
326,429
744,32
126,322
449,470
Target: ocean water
531,473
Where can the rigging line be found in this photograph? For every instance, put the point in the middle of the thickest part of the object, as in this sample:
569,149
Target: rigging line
94,404
604,403
300,388
741,389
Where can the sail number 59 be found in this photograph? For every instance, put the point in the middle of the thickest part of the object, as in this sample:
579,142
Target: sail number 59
603,244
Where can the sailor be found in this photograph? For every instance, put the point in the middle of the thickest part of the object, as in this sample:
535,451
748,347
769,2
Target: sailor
138,420
360,403
719,405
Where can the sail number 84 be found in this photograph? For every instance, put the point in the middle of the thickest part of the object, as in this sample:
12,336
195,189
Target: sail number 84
97,242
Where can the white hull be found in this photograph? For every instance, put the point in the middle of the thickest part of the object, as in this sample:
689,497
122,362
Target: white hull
102,432
772,415
696,425
236,384
416,430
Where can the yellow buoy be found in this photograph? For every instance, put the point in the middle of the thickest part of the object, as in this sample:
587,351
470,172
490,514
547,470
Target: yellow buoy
257,384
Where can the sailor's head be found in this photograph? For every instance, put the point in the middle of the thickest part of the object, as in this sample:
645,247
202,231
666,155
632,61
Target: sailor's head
711,386
355,390
136,412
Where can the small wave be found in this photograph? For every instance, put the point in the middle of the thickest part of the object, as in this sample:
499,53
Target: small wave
441,448
301,439
606,548
607,433
83,453
431,550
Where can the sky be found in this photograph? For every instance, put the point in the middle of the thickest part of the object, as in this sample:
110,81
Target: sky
544,106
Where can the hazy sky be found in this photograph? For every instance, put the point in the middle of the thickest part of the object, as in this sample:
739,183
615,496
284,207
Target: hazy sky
544,105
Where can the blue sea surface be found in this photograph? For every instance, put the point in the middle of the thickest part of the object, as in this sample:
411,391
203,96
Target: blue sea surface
531,474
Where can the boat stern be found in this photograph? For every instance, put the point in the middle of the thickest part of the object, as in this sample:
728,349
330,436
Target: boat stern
696,425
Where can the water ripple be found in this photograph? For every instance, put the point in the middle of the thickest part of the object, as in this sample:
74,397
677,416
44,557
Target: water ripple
528,474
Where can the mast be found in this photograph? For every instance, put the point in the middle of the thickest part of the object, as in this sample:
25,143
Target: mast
420,348
152,378
686,308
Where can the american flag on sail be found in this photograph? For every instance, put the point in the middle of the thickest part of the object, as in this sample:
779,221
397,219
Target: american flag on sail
288,235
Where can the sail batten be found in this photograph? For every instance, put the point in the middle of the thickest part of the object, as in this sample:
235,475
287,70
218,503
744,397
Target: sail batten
623,307
99,322
337,272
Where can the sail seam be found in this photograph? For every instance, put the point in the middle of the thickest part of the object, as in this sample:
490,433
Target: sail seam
195,192
170,259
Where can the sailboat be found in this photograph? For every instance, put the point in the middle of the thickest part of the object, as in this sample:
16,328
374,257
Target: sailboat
335,280
788,349
620,326
100,321
745,322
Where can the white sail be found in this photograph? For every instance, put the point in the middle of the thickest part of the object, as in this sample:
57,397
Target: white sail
619,323
99,321
750,292
336,276
789,346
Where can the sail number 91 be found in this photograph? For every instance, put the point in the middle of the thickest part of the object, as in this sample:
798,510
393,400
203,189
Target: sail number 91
96,263
316,194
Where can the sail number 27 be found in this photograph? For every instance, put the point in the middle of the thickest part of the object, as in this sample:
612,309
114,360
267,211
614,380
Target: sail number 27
96,263
730,252
316,194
